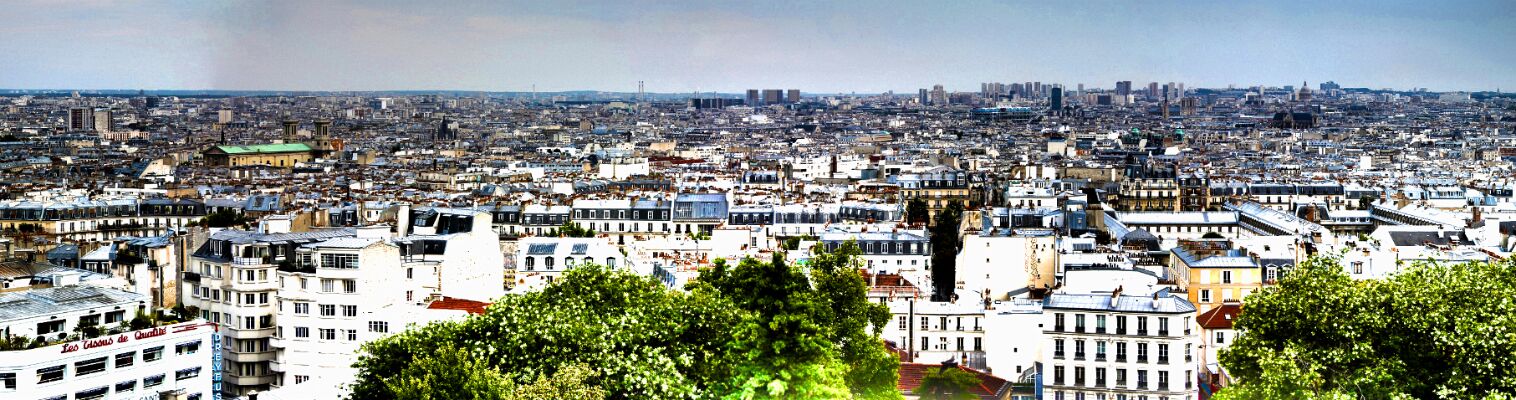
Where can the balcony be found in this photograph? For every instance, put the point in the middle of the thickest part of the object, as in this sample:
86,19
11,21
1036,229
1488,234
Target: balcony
1079,356
1142,332
1058,355
1121,358
1078,382
247,261
1100,329
1163,332
1189,358
1121,383
1163,360
1163,386
191,277
1079,329
249,380
1058,381
1142,359
1142,385
1058,328
1100,357
1099,383
252,356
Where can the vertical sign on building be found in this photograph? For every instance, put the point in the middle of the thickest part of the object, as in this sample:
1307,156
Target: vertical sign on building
216,364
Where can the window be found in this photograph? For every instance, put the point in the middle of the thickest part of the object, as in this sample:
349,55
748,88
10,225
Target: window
1226,276
328,310
51,374
1220,337
302,308
960,343
328,285
1205,295
328,334
1058,322
1142,379
1142,352
152,354
151,381
1099,324
531,263
186,373
1057,348
1120,377
1120,351
1079,323
1100,350
92,394
125,359
1120,324
926,343
8,380
349,286
1163,380
1142,326
349,311
1079,349
301,378
379,326
345,261
352,334
44,328
1163,353
923,323
187,348
902,322
126,386
115,316
978,344
1163,326
302,332
547,262
1058,375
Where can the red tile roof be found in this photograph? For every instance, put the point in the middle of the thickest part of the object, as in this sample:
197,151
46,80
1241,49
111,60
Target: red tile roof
1220,317
450,303
989,385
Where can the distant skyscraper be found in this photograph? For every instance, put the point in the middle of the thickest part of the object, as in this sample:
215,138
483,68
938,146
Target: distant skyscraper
81,119
939,96
103,120
773,96
1056,99
1153,90
1329,85
922,97
752,97
1123,88
1081,90
224,116
793,96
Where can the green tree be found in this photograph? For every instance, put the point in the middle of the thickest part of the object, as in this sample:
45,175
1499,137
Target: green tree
224,219
946,383
646,340
813,334
573,230
1432,330
945,245
448,373
916,212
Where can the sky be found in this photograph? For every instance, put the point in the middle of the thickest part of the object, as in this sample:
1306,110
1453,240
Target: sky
680,46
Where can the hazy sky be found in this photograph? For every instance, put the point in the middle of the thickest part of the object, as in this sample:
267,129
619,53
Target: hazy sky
815,46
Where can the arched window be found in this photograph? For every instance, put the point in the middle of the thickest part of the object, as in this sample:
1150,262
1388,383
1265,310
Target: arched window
531,263
568,262
610,262
548,262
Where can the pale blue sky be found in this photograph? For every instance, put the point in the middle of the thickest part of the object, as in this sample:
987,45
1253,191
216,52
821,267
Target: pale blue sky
815,46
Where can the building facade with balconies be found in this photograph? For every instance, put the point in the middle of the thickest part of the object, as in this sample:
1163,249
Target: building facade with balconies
1113,346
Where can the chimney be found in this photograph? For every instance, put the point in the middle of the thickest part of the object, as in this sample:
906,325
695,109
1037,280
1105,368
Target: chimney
1115,295
1155,300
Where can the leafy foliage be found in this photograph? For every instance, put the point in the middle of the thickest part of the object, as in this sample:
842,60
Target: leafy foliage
757,330
916,212
946,383
945,245
224,219
573,230
1434,330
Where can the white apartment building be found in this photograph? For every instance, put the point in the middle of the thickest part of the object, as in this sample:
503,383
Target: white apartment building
345,291
540,260
995,265
172,361
232,280
1116,347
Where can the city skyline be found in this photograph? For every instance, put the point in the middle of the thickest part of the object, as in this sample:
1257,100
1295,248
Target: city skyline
836,47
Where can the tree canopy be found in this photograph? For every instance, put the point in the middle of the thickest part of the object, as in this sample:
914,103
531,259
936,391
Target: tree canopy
573,230
760,329
1431,331
946,383
945,245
